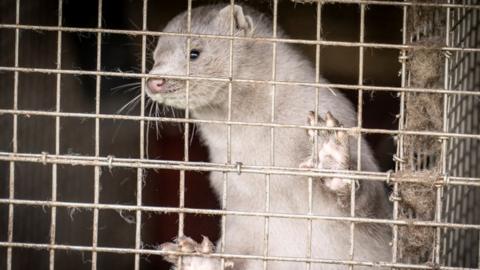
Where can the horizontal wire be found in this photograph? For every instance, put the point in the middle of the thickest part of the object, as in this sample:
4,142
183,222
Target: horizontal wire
355,130
218,212
397,3
223,255
244,38
111,162
225,79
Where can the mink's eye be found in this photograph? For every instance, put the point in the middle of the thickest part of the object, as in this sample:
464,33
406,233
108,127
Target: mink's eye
194,54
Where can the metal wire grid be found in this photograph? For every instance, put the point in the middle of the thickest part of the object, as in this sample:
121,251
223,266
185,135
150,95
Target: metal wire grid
461,248
421,157
457,182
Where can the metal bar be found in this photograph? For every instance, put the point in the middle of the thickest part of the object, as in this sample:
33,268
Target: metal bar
181,201
359,125
197,211
272,133
354,130
226,256
181,217
245,38
454,116
327,86
315,138
440,189
229,133
11,184
142,146
53,216
97,169
46,158
400,138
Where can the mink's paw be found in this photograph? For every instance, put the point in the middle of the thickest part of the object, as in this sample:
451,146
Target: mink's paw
187,245
333,152
201,250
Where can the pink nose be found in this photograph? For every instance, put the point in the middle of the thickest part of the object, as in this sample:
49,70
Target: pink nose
156,85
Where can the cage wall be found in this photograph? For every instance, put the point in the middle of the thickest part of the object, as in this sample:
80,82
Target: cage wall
461,248
86,184
431,157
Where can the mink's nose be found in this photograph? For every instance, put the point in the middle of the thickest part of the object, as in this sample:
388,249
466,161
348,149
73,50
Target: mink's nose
155,85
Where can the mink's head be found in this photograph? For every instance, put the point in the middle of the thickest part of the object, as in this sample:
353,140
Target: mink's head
206,57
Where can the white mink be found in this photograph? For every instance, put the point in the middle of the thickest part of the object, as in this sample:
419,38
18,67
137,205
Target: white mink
251,144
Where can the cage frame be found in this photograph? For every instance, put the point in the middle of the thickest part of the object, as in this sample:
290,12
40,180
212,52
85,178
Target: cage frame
98,162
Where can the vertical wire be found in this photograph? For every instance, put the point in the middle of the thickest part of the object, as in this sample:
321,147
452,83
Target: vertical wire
470,157
439,191
181,215
266,234
459,127
464,128
359,125
229,133
11,184
469,152
140,174
315,138
452,195
400,138
53,217
475,118
96,196
469,200
454,191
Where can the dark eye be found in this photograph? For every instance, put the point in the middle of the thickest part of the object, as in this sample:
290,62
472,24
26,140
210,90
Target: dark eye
194,54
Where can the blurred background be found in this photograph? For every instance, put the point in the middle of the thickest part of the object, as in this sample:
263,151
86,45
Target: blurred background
36,134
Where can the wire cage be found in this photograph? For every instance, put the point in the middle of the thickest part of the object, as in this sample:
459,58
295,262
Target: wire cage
87,184
462,117
439,156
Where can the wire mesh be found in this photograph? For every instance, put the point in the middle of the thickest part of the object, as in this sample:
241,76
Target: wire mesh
461,248
456,217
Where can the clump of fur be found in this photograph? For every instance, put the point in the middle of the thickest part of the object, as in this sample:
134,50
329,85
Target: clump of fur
416,242
417,193
424,111
426,63
425,16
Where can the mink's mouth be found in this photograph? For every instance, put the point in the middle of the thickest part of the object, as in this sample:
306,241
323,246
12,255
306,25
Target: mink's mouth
163,91
170,90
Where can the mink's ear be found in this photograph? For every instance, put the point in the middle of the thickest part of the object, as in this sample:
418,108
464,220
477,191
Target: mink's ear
241,22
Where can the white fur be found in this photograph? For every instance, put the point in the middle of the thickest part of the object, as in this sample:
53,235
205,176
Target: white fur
251,145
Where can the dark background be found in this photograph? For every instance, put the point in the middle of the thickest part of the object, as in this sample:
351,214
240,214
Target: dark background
340,22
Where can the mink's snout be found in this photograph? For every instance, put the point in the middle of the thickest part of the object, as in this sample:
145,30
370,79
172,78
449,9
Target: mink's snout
156,85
